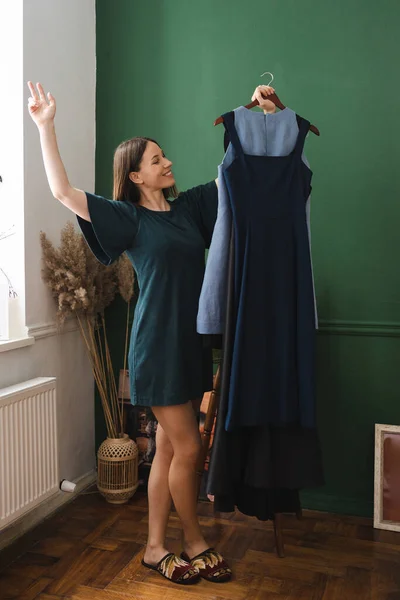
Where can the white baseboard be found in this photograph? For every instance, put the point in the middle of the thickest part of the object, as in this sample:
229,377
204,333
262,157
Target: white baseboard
44,510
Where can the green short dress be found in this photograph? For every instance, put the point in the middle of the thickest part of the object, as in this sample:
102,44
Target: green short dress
167,361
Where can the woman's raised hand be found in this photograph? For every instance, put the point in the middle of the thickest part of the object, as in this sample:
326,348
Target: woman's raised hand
41,109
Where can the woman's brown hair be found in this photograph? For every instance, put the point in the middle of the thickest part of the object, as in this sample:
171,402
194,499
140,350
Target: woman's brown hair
127,158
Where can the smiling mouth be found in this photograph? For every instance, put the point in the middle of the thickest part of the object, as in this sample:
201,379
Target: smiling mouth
168,174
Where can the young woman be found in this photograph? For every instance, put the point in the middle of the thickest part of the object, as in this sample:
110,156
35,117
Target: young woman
169,368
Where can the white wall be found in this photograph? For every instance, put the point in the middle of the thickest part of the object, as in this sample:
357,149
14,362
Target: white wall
59,51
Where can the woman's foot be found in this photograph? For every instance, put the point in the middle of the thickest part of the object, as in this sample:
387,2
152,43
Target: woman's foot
153,554
194,548
211,565
174,569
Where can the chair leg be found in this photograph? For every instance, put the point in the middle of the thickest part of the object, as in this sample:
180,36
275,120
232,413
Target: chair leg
280,548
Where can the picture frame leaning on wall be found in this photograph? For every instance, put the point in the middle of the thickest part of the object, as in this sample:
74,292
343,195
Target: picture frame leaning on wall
387,477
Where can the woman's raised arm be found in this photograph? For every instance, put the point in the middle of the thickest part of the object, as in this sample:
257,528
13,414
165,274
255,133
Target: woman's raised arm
43,111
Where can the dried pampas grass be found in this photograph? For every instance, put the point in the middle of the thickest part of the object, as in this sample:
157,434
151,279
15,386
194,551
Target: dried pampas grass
83,288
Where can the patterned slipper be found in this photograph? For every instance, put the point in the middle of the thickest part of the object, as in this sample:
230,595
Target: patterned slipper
211,565
175,569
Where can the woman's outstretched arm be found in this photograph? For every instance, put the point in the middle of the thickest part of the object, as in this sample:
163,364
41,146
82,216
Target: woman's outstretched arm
43,111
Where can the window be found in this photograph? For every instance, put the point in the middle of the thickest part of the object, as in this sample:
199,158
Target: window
12,305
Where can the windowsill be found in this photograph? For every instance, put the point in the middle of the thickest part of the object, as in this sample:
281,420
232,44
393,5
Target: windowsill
7,345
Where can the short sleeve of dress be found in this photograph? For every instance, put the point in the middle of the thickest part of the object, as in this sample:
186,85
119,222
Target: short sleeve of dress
112,227
202,203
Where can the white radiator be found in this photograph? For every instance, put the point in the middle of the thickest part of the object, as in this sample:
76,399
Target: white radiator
28,447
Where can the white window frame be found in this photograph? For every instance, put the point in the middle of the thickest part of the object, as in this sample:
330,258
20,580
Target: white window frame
12,250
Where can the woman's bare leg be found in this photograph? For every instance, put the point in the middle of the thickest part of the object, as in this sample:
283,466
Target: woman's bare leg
181,427
159,498
159,493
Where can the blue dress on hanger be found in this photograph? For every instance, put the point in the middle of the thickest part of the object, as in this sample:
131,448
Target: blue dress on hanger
272,376
260,468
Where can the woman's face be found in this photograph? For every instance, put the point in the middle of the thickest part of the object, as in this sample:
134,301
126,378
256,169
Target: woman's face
155,169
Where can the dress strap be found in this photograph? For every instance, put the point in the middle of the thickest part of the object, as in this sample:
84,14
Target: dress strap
303,130
229,124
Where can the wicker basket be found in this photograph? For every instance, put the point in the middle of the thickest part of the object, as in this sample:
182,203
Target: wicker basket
117,469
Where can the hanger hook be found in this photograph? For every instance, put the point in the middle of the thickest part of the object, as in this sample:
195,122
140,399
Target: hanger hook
268,73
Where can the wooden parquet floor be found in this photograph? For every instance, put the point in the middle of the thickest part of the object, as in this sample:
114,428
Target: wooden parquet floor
92,551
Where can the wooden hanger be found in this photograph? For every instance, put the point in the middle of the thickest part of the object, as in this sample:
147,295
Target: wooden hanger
274,98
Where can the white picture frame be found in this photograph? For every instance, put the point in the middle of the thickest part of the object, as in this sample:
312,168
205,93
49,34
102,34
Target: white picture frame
382,433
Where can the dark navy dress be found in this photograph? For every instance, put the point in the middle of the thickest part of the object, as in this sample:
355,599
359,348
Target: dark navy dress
259,469
272,375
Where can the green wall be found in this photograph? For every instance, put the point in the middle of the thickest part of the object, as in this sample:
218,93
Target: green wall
167,69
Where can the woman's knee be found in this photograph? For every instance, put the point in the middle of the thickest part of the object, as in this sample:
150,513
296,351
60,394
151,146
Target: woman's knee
181,429
164,447
188,449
